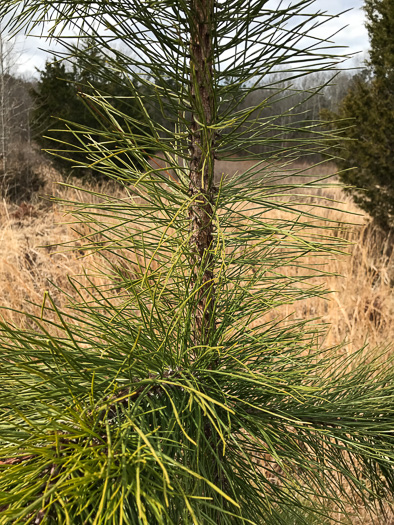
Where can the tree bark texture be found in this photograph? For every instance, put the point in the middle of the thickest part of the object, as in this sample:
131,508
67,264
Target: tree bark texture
202,158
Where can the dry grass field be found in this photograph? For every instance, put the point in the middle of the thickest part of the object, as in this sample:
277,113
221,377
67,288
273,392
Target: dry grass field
358,309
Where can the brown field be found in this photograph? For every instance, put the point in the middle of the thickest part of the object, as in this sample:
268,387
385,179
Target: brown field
359,308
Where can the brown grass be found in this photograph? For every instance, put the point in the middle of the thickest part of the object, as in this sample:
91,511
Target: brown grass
359,308
31,263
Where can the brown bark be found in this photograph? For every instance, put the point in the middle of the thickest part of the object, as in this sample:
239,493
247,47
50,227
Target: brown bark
201,186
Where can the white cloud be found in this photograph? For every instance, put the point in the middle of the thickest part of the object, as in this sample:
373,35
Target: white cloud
355,35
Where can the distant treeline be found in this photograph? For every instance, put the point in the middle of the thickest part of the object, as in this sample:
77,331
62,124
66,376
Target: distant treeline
31,109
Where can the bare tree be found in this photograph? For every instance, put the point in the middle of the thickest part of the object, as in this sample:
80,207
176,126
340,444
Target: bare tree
17,157
5,54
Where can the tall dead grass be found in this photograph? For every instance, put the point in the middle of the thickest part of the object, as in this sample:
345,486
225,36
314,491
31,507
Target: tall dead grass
358,309
359,306
31,260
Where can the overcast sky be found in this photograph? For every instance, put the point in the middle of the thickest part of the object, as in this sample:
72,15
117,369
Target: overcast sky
354,36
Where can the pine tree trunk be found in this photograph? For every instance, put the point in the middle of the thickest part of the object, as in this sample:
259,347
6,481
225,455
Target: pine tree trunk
202,161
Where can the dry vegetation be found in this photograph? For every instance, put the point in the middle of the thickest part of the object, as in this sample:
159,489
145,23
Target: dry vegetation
358,309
